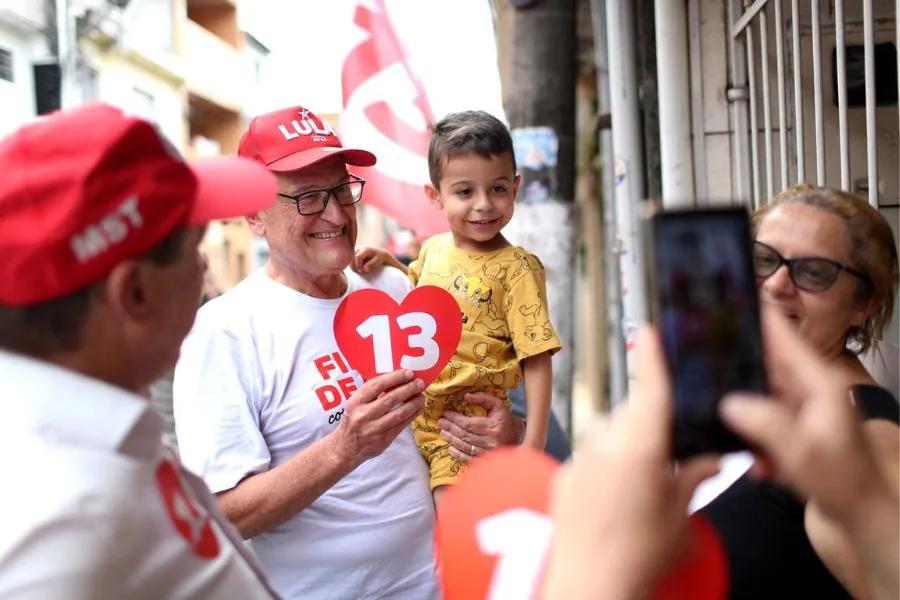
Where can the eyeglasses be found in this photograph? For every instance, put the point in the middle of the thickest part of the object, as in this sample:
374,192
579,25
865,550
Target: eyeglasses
812,274
314,202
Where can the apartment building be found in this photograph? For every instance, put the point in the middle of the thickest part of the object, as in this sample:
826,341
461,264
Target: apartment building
23,43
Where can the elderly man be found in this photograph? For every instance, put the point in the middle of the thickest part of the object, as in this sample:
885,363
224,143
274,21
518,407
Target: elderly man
329,486
99,281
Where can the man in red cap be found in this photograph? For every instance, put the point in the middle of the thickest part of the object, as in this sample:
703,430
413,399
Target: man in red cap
328,485
99,281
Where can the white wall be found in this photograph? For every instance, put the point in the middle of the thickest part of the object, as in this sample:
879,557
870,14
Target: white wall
149,26
17,102
130,87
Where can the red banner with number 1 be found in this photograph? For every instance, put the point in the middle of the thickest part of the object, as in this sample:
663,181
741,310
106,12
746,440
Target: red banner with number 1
494,532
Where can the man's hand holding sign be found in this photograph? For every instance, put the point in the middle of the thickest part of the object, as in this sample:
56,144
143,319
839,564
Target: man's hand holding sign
398,350
377,335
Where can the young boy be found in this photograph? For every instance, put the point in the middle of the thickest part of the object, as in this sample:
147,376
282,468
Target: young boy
500,288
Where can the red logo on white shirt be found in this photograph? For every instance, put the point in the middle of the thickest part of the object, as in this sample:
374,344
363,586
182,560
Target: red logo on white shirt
191,521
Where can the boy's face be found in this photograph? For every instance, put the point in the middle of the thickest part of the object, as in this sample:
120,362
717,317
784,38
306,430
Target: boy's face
477,195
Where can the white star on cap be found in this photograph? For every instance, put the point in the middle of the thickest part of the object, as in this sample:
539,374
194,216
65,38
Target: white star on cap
304,114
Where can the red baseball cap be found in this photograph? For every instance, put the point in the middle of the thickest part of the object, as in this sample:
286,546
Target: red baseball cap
83,190
294,138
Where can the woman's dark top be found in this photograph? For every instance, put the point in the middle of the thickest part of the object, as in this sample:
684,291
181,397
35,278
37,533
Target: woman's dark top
762,528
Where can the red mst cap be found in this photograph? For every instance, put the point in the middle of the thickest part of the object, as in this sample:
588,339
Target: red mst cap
294,138
83,190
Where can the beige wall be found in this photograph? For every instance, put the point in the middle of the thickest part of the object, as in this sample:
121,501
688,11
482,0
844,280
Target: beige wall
221,20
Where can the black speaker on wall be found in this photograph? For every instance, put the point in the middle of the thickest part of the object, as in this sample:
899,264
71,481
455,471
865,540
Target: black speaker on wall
47,87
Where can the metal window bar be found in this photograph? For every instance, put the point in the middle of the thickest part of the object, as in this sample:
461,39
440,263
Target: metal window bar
782,102
738,97
742,30
6,65
819,121
871,133
840,51
754,126
798,91
767,101
696,66
748,16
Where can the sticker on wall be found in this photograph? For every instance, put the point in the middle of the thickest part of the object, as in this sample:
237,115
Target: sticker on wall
535,148
620,170
536,192
629,332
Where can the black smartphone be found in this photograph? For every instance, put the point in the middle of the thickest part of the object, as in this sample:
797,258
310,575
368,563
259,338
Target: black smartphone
707,311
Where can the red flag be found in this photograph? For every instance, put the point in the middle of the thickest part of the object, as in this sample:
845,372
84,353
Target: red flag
386,111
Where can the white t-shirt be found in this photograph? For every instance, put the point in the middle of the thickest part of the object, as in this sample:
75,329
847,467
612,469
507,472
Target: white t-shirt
92,506
261,378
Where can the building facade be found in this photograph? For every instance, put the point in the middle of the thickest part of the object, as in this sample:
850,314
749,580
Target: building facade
23,43
185,65
130,57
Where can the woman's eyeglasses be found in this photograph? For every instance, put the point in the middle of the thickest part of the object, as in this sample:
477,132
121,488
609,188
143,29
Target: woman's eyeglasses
812,274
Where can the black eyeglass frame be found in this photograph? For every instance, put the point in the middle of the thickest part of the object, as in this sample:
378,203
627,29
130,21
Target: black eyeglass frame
792,262
331,192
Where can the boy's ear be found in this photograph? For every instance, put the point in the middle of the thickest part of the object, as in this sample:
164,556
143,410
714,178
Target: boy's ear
434,196
516,183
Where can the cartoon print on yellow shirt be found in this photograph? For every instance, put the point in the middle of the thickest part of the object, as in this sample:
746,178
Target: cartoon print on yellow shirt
470,288
502,301
536,329
506,271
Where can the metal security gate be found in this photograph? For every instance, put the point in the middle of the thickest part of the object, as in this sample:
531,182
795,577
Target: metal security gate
776,46
811,96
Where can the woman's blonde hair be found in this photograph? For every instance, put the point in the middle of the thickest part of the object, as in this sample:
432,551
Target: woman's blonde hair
870,243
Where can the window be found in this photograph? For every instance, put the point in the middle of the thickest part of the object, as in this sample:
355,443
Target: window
241,266
142,104
6,65
88,82
226,254
885,75
257,71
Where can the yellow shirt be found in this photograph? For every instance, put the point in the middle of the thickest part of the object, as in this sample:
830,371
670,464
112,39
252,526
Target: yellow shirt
503,299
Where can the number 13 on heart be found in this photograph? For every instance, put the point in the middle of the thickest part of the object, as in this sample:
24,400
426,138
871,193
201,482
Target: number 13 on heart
378,327
378,335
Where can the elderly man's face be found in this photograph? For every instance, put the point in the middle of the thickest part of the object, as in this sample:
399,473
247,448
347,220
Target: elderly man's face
314,245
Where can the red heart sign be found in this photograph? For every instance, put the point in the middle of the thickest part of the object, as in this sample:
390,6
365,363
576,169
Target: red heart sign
378,336
493,528
493,535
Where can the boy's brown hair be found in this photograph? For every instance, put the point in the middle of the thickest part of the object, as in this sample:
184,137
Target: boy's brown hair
471,131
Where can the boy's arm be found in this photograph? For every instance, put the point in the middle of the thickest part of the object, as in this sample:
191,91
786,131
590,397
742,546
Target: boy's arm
535,341
369,259
538,371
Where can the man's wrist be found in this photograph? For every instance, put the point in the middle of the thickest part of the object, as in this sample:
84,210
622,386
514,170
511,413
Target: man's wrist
345,461
593,578
518,430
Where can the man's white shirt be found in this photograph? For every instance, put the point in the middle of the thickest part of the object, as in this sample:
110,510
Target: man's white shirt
93,507
260,379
